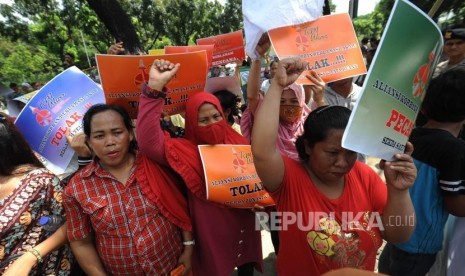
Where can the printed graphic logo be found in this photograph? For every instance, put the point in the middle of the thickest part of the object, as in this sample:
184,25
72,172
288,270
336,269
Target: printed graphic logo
142,77
239,165
301,41
55,104
43,116
421,77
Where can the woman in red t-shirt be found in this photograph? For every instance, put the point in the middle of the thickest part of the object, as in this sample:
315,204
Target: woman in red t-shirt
333,211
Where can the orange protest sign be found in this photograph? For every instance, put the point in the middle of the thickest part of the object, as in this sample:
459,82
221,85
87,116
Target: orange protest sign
328,43
188,49
122,78
228,47
234,180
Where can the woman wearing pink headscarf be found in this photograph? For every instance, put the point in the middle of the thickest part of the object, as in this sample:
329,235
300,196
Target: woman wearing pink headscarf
293,109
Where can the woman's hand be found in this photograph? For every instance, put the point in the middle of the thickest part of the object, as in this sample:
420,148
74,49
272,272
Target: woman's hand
401,173
258,208
116,48
288,71
78,144
186,259
263,45
161,72
21,266
317,89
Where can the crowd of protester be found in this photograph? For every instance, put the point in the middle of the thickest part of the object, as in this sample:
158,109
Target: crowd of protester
139,207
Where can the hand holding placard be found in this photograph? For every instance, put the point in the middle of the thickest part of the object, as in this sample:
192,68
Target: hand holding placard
161,72
317,89
78,144
401,173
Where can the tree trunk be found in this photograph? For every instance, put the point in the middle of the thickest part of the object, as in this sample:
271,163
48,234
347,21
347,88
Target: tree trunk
118,23
326,8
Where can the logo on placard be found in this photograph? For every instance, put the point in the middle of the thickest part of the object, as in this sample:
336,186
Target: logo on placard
239,165
142,77
43,116
421,77
301,41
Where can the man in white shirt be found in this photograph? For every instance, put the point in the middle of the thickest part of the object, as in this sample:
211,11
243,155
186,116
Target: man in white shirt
342,92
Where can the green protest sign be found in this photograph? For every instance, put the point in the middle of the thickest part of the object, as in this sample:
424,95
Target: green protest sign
396,83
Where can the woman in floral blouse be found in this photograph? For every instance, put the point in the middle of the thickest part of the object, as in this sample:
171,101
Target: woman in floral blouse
27,192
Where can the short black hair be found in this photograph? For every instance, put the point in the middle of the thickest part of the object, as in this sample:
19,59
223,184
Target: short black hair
445,97
70,54
14,148
318,124
98,108
13,85
228,100
365,40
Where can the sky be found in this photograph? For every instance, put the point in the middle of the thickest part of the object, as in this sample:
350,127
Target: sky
364,6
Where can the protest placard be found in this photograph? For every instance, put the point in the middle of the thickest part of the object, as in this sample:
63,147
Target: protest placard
17,104
122,78
385,114
234,180
189,49
156,52
334,53
227,47
58,107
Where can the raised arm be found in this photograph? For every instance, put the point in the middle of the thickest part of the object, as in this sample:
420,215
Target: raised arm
400,176
150,136
253,84
267,159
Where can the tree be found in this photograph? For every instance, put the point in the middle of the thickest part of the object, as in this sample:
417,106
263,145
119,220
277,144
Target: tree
455,6
148,19
231,19
118,23
23,63
369,25
57,25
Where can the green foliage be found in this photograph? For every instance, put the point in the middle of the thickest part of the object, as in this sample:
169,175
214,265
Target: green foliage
23,63
369,25
372,25
35,34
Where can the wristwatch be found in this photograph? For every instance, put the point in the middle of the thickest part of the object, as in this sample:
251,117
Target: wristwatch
192,242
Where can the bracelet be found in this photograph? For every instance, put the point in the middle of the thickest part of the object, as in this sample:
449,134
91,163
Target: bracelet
36,253
153,93
192,242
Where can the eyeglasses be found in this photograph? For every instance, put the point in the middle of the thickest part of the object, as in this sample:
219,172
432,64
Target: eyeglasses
452,43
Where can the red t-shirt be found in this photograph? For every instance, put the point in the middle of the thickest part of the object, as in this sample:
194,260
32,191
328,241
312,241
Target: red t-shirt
328,233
